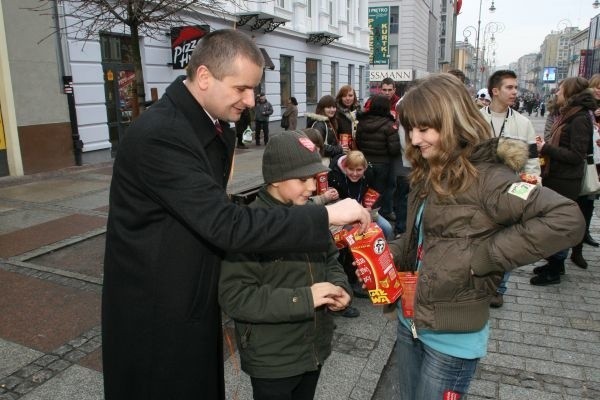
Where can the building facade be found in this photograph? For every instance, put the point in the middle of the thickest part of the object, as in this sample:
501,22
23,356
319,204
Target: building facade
312,48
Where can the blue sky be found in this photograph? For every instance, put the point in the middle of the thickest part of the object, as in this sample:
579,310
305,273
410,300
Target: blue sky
526,22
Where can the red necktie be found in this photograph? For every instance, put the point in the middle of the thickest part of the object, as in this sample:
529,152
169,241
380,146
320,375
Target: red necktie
219,128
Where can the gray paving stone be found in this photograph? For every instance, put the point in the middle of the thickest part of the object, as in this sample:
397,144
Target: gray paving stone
544,319
554,368
524,350
549,341
74,383
574,334
503,360
523,326
13,356
510,392
484,388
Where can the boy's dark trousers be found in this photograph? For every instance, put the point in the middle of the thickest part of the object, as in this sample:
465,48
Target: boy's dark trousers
299,387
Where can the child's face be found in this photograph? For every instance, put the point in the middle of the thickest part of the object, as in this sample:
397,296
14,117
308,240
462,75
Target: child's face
330,111
355,173
295,191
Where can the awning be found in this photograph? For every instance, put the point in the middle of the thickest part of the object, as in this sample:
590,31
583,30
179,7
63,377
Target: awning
268,62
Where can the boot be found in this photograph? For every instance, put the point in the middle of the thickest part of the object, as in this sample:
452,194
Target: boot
549,276
588,239
577,257
544,268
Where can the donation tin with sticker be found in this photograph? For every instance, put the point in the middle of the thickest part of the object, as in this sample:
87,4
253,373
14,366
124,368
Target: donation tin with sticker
375,264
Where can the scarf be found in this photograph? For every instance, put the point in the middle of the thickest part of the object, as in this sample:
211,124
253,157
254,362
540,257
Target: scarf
557,130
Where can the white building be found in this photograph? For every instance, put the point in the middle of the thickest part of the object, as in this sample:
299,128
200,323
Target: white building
313,47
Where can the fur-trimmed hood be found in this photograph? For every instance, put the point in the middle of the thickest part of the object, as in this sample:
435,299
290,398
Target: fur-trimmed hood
514,153
317,117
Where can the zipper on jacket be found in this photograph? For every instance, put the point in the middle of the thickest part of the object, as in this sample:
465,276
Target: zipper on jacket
413,329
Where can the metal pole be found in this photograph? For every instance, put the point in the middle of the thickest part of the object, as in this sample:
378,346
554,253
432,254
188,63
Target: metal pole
477,43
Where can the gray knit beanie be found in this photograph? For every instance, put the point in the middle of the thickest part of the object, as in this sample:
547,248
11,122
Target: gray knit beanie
291,155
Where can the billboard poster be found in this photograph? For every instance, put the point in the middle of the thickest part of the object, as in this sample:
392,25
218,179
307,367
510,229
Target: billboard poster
183,42
583,60
549,75
379,23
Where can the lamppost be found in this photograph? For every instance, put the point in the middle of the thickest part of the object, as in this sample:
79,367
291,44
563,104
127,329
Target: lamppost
596,4
467,33
491,28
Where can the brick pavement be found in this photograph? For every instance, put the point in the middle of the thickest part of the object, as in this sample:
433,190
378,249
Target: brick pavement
545,341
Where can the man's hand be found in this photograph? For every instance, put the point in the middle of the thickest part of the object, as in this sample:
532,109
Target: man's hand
348,211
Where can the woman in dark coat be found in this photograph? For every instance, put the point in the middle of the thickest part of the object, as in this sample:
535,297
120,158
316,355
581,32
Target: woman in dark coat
347,106
564,155
290,115
323,120
377,138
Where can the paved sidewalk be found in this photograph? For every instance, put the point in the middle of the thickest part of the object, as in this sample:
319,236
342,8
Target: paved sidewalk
52,230
545,341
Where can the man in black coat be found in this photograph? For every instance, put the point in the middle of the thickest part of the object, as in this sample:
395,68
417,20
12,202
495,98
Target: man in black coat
170,221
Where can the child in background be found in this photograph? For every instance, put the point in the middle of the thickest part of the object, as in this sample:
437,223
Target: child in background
330,194
282,304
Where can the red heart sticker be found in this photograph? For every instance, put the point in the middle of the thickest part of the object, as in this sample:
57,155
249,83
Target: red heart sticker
450,395
306,142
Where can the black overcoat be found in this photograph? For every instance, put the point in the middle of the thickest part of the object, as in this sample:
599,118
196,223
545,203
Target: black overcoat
169,223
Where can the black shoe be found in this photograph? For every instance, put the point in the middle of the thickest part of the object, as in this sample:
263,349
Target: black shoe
349,312
578,260
497,300
545,279
358,291
241,146
257,143
588,239
544,268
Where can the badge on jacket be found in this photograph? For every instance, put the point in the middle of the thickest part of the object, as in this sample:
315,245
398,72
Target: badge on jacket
521,189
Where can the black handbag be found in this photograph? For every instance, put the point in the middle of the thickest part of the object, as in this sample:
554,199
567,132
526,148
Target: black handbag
285,121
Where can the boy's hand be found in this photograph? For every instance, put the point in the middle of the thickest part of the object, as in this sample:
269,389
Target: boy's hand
331,194
325,293
341,302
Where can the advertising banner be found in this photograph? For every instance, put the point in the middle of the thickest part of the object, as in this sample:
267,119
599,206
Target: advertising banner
183,42
379,23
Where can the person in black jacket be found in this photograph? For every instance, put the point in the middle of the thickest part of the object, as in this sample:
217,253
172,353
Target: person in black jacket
170,222
240,127
378,139
570,143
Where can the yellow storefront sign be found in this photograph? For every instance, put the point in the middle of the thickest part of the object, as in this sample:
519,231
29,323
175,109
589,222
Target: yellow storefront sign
2,139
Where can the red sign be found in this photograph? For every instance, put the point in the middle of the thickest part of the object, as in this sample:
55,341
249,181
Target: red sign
183,42
583,58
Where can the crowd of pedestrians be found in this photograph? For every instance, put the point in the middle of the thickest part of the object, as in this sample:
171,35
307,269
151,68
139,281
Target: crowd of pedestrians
462,187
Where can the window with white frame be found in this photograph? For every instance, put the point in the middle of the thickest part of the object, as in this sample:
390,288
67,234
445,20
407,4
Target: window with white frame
331,16
281,3
312,81
349,9
361,82
309,4
285,78
351,74
335,72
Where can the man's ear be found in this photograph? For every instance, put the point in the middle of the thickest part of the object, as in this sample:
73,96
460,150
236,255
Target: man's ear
495,92
203,77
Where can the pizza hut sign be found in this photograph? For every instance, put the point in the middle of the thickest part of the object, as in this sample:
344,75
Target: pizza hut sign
183,42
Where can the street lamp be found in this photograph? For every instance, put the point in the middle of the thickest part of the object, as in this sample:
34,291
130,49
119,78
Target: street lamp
596,4
491,28
477,30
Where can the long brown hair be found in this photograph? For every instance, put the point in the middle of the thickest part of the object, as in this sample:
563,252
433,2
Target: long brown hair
441,102
324,102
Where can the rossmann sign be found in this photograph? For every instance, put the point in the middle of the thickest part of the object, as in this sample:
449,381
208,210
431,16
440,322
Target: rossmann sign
398,75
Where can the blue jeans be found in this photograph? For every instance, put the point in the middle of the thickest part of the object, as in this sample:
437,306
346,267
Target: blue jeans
426,374
502,288
386,227
401,202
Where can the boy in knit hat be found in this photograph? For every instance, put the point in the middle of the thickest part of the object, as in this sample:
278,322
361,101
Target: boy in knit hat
282,304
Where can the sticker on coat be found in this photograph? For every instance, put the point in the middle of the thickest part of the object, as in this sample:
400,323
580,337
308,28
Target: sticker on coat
521,189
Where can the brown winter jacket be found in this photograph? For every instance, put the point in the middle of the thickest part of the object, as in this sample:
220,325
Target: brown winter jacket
471,239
